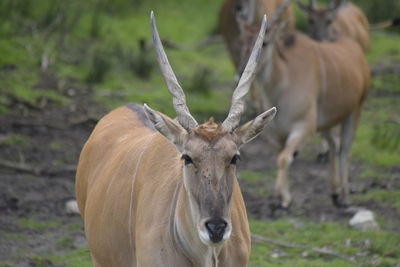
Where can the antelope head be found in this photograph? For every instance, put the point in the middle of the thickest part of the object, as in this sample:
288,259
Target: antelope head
209,151
320,19
245,10
248,30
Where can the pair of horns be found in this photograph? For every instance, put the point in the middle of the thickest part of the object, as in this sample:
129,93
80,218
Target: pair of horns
179,101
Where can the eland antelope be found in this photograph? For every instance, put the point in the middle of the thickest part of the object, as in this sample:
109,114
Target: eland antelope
316,86
339,18
154,191
229,26
336,20
230,30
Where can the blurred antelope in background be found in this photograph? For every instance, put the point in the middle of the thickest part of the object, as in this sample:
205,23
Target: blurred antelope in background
230,29
229,26
316,86
154,191
339,19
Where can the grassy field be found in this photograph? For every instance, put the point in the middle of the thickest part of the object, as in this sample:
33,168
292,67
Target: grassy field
96,45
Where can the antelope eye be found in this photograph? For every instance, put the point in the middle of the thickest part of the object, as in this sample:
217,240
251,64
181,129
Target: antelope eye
188,160
264,44
235,159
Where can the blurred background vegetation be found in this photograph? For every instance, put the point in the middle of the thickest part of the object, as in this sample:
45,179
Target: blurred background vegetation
104,45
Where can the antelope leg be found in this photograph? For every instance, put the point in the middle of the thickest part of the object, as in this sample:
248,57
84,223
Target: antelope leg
334,165
285,158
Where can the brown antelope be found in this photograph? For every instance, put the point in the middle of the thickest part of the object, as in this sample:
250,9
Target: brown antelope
229,26
315,85
154,191
338,19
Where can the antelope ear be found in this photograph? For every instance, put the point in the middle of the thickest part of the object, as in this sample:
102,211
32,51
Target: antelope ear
168,127
252,129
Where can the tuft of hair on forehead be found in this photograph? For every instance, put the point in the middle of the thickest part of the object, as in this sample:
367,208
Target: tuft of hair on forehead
209,130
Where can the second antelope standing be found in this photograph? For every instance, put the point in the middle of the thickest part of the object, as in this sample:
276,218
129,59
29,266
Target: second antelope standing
316,86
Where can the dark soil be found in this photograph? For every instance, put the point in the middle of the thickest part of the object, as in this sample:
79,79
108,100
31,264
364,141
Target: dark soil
310,189
37,178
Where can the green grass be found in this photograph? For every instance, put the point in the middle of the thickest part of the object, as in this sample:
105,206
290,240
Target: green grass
36,225
77,258
371,144
79,54
13,236
14,53
184,62
384,47
66,243
335,236
365,151
373,173
15,140
74,227
371,246
256,183
251,177
391,198
56,146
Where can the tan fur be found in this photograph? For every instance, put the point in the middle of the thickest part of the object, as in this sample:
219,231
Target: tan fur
230,28
351,22
130,192
230,31
316,85
209,131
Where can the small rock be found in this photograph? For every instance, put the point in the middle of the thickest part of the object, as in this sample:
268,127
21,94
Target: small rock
297,224
367,243
71,207
278,254
364,220
71,92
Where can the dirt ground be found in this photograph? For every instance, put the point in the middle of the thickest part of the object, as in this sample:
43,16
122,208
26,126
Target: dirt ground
37,178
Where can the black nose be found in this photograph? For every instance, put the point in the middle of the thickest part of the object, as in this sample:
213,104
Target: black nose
216,229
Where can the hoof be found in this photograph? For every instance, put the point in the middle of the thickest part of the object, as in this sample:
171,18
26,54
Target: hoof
275,206
323,157
338,202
